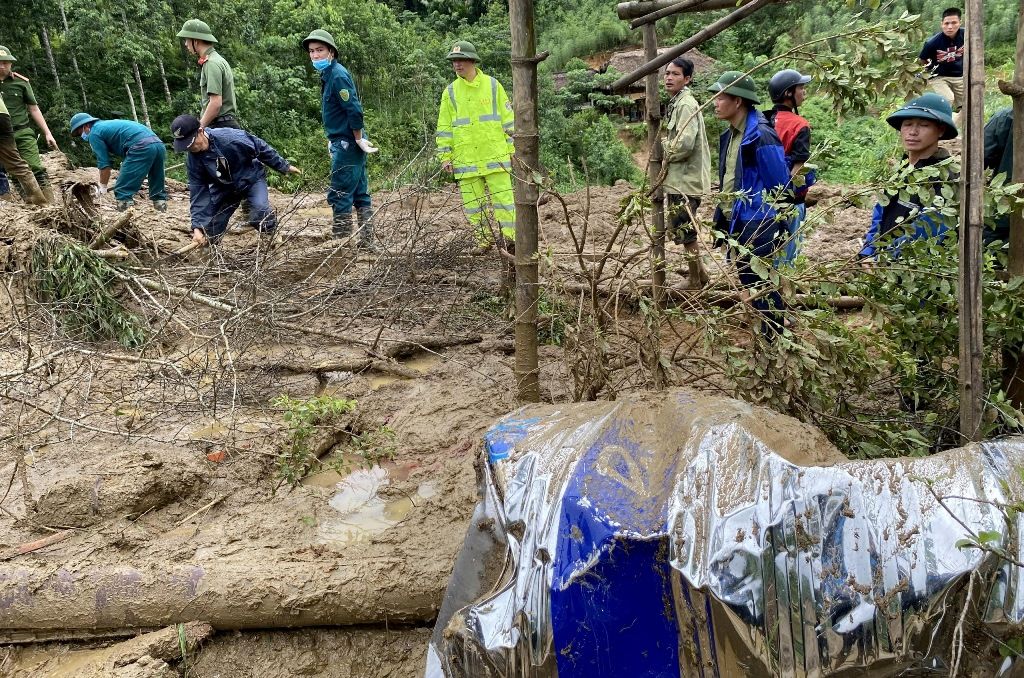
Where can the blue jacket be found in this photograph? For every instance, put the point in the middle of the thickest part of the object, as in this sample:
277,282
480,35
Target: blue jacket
117,137
761,167
895,215
234,161
339,103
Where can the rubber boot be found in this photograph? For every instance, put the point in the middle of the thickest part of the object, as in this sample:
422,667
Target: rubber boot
124,205
365,217
160,205
342,227
31,192
48,193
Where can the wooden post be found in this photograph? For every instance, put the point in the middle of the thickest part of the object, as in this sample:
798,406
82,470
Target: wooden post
525,164
654,162
1013,367
696,40
971,224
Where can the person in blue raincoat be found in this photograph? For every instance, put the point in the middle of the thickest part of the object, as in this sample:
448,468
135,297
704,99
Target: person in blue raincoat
226,166
751,163
343,123
922,123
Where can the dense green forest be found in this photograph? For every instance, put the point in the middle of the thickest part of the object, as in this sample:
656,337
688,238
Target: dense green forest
110,58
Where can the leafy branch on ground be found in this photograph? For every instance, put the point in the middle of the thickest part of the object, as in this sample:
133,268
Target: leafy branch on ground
304,418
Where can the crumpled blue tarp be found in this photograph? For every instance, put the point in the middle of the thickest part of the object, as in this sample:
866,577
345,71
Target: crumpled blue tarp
676,534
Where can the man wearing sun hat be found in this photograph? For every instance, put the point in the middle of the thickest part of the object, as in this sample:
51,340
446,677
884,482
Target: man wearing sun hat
142,152
922,123
752,165
24,110
474,142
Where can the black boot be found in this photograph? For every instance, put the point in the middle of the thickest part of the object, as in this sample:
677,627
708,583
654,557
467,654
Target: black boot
365,217
342,225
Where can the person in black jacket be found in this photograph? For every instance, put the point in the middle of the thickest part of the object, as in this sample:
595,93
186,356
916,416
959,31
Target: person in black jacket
999,159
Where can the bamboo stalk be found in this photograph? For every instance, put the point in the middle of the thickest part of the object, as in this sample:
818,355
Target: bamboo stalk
972,220
527,162
696,40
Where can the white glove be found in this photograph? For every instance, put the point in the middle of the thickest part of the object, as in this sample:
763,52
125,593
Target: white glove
366,146
329,152
101,190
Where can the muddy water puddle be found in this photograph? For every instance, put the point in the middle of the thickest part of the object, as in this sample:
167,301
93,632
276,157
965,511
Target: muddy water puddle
359,512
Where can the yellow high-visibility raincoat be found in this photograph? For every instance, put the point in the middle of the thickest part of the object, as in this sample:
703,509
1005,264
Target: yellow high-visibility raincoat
474,133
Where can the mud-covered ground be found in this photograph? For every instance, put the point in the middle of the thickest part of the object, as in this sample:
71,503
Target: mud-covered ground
143,487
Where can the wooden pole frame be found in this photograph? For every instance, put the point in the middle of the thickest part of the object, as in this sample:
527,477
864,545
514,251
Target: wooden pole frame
697,39
972,222
628,11
525,163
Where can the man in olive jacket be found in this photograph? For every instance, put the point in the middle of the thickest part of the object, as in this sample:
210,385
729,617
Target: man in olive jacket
688,165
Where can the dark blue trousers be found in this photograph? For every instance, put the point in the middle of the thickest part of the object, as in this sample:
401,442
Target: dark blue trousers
761,239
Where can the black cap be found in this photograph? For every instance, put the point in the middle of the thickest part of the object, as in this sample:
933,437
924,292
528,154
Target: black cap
185,128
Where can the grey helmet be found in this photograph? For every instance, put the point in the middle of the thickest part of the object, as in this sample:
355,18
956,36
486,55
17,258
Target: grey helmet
782,81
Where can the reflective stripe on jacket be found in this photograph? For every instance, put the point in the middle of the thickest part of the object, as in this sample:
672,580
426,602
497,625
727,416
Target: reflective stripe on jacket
475,126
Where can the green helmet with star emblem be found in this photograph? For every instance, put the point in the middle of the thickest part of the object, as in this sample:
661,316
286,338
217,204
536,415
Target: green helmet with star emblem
320,35
5,54
195,29
463,49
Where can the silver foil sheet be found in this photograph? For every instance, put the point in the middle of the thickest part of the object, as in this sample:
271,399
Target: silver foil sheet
680,535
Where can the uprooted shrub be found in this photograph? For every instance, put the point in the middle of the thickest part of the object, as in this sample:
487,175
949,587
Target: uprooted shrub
80,289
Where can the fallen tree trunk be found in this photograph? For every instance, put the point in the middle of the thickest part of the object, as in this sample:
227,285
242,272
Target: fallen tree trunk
254,594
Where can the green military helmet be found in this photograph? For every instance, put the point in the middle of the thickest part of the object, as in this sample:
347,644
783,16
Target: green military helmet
738,85
320,35
463,49
929,106
196,30
5,54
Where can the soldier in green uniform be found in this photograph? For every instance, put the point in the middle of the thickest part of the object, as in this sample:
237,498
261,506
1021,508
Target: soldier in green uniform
22,105
216,80
10,158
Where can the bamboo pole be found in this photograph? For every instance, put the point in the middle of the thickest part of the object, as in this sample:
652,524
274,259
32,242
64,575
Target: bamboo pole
664,12
527,163
654,163
645,8
972,189
696,40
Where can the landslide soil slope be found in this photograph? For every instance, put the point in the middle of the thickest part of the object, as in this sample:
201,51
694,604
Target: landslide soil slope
166,458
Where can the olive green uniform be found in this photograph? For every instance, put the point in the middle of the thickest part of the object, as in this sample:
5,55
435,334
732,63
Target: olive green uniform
18,95
216,77
12,160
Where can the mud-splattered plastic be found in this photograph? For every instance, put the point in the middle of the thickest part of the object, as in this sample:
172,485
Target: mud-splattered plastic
682,535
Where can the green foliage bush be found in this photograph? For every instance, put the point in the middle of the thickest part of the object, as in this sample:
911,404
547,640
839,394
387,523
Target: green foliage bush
80,289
